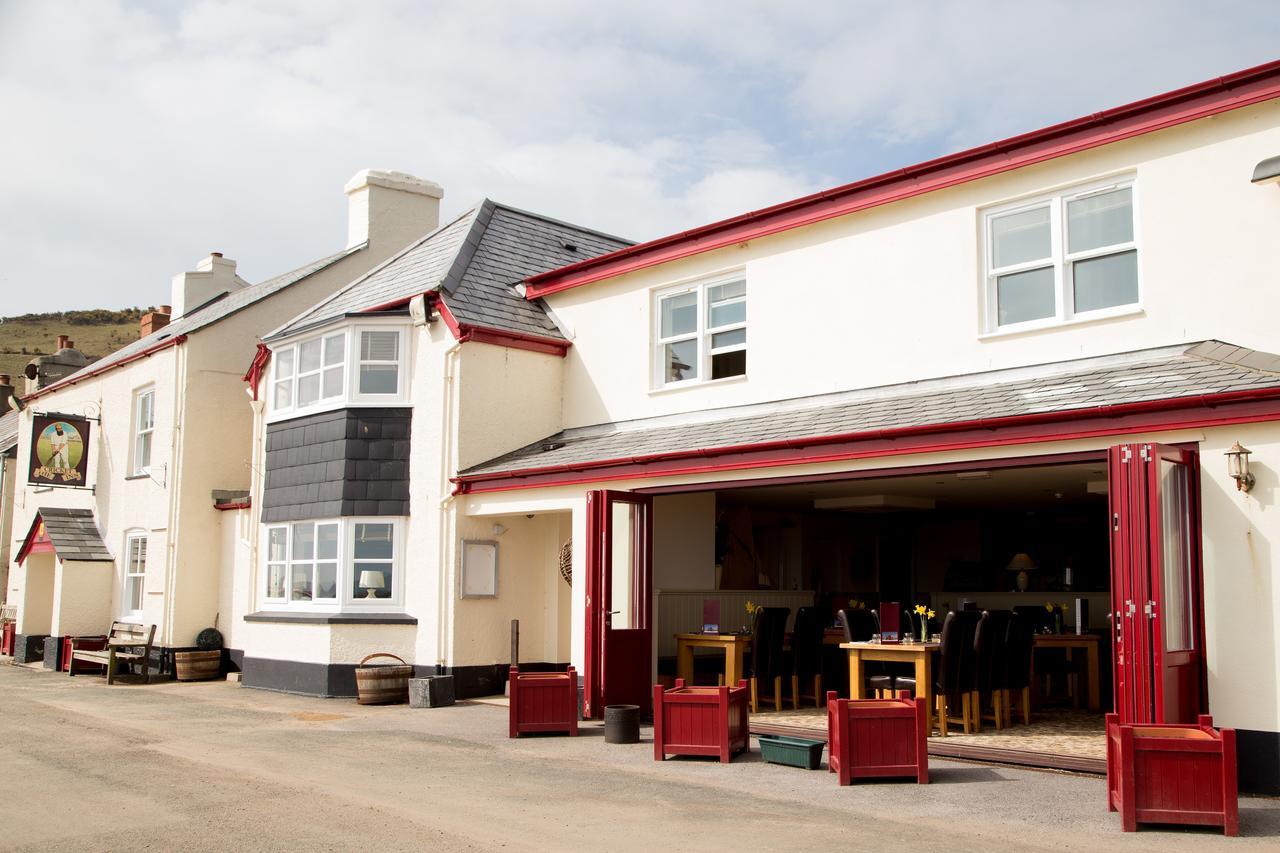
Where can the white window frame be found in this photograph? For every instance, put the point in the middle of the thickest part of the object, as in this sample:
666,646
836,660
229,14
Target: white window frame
1060,259
137,466
290,351
130,572
346,600
357,362
702,333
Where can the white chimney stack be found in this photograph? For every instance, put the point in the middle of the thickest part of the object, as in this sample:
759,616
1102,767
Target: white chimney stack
390,209
212,277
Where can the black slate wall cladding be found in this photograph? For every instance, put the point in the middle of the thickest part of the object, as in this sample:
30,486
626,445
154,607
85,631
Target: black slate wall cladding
343,463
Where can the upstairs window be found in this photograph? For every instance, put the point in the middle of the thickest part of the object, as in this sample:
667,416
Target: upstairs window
144,426
701,332
313,374
379,361
1066,257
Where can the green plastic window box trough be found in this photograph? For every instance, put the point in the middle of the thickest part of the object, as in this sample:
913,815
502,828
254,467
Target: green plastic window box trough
792,751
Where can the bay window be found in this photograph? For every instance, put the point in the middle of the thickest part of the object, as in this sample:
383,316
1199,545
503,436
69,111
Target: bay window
333,564
1065,257
359,365
701,332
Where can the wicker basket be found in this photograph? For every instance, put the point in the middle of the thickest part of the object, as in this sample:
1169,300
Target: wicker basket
383,684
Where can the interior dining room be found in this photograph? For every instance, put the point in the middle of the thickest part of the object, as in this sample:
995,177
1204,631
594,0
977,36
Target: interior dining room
1009,563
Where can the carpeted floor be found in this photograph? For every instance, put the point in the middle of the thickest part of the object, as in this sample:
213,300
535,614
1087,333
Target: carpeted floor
1053,731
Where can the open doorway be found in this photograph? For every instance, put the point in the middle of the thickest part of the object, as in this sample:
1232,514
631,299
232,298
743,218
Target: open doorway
1025,538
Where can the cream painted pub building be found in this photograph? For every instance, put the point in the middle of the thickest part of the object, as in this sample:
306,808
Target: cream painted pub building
169,438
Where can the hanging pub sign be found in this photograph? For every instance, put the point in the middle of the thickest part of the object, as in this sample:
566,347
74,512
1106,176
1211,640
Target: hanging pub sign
59,451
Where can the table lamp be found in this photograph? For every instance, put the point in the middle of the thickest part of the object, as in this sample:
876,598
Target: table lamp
372,581
1022,563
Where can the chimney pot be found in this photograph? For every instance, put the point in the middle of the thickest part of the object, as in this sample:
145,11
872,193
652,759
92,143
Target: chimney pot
216,254
64,342
6,379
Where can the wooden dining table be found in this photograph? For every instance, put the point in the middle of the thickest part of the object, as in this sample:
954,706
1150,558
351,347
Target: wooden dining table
734,647
918,654
1090,644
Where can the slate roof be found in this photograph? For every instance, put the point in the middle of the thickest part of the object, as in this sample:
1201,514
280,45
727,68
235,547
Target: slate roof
475,263
211,312
8,431
74,534
1186,370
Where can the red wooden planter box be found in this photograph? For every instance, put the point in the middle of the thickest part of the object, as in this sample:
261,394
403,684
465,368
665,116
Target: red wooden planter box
1172,774
543,702
876,738
700,721
87,644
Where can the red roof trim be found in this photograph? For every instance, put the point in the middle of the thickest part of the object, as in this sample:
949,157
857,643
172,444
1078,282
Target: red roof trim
463,332
1211,97
1176,413
80,377
257,368
37,541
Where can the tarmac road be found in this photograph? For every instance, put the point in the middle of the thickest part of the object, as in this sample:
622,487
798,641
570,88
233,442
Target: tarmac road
214,766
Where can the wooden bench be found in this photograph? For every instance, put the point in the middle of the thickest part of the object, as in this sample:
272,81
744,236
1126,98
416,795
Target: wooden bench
128,641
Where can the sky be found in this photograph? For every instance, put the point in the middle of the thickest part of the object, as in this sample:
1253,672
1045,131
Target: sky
135,138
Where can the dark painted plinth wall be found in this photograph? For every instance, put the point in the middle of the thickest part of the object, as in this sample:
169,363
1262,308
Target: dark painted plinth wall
1258,760
28,648
336,464
339,680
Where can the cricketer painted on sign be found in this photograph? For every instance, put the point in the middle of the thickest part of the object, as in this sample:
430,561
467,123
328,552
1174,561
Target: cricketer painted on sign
59,450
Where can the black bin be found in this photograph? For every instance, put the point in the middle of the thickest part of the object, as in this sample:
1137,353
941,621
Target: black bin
621,723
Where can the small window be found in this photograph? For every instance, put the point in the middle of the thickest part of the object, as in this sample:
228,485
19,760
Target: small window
313,562
379,362
135,573
373,553
144,424
1054,260
701,332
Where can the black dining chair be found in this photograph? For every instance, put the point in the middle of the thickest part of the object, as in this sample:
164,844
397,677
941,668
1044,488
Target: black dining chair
1021,640
768,658
953,674
806,655
991,651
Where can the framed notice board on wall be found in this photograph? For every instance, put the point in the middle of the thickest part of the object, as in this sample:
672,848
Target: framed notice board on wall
478,572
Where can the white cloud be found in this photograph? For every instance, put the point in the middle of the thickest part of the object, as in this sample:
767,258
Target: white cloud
138,138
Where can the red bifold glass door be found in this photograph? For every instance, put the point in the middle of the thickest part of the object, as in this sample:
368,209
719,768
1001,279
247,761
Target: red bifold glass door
619,633
1156,593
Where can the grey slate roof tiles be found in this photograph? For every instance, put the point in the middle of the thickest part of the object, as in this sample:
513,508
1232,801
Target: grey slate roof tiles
213,311
8,431
474,262
74,534
1187,370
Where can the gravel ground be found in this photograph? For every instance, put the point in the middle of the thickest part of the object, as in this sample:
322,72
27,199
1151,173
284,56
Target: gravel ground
214,766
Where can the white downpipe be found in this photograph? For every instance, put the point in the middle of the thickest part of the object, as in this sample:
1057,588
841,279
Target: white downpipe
256,484
173,484
448,411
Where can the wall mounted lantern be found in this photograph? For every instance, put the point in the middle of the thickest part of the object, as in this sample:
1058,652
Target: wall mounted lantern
1238,467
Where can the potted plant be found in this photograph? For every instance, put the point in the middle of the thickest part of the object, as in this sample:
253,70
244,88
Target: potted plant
203,664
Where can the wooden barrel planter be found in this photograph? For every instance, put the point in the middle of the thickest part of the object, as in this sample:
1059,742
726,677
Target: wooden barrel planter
383,684
198,666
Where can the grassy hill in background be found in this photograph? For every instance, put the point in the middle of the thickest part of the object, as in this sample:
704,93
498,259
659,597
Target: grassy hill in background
96,333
